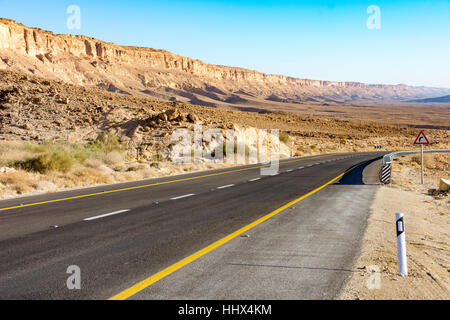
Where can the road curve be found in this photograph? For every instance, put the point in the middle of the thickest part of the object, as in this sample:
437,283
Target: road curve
120,235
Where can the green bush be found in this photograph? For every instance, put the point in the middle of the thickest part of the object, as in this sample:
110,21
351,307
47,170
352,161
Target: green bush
96,146
35,148
284,137
62,155
55,161
108,142
54,156
81,156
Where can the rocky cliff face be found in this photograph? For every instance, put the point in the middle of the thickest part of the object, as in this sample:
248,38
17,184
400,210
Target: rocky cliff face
146,71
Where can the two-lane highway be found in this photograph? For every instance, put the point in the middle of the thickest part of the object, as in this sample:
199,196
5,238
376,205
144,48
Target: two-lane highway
126,237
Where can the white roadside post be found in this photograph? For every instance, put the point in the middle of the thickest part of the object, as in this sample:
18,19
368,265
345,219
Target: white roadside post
401,245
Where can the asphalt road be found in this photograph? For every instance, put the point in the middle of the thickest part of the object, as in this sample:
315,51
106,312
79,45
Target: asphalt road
120,235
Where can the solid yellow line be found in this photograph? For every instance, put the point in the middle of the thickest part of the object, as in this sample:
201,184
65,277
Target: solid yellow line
160,275
145,186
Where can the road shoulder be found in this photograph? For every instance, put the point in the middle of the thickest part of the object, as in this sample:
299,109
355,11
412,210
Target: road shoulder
427,234
305,252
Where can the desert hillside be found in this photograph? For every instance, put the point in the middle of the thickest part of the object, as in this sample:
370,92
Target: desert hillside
157,73
57,135
38,109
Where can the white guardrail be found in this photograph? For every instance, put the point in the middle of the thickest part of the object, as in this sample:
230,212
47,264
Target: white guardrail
387,160
389,157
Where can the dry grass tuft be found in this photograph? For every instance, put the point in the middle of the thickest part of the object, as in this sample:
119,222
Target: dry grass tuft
114,159
19,181
94,176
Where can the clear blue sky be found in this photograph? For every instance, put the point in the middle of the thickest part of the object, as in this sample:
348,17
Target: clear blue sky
326,40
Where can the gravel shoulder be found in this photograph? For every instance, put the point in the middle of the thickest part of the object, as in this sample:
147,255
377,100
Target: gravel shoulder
427,235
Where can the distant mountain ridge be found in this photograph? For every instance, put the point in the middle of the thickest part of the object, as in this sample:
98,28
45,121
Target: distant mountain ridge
158,73
443,99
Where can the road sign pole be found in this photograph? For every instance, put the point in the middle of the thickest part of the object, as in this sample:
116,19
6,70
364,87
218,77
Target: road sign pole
422,139
422,178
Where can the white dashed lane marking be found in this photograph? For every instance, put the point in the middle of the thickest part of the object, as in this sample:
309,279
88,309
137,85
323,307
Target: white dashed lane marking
227,186
184,196
106,215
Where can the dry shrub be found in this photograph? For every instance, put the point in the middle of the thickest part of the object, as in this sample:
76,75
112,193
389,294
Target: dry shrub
93,163
416,160
430,162
132,175
94,176
18,176
188,167
69,180
12,151
105,169
114,158
284,137
148,173
442,162
45,186
20,181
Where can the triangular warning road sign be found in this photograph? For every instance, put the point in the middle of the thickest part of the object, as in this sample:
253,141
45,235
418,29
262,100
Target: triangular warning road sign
421,139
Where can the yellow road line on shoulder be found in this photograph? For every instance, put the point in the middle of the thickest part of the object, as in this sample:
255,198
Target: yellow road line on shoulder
164,273
145,186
